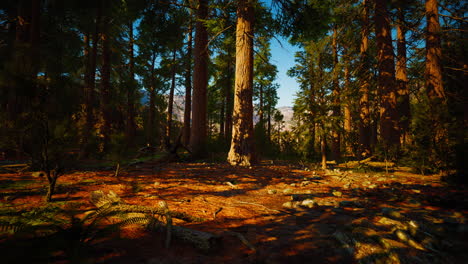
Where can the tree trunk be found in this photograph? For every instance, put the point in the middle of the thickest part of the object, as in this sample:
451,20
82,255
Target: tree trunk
347,110
152,106
200,83
229,105
242,152
402,77
130,125
106,85
364,113
188,88
434,86
35,35
336,137
312,108
90,83
52,181
221,118
151,115
260,109
389,121
171,102
323,149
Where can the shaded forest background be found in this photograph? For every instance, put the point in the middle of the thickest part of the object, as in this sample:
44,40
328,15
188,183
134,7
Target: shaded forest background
97,79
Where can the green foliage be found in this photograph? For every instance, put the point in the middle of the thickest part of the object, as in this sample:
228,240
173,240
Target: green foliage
63,230
427,152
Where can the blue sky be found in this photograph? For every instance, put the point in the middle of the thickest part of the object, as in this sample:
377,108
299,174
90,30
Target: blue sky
282,55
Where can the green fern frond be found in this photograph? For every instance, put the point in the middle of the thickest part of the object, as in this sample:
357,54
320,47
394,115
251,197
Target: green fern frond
6,227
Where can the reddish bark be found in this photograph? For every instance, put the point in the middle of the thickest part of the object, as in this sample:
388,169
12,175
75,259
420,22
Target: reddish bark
200,82
434,86
242,152
402,76
364,112
389,121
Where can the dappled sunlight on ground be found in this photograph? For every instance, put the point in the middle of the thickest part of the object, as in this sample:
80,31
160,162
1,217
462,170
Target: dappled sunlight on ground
285,212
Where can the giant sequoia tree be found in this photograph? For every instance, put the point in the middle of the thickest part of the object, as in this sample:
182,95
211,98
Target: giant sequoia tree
389,127
200,82
242,151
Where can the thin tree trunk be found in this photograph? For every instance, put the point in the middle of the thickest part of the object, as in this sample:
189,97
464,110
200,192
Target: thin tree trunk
200,82
86,61
260,107
229,105
312,108
35,35
242,152
152,105
188,88
170,107
364,112
347,111
402,77
323,149
434,85
222,118
389,121
130,124
106,85
336,137
269,125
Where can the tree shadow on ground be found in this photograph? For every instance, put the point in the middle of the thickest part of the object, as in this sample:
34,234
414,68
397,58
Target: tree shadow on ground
388,223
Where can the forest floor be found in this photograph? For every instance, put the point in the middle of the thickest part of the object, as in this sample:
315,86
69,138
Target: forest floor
274,212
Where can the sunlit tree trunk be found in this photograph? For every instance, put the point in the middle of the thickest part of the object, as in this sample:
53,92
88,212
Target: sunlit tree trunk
434,86
386,85
130,124
200,83
323,149
402,76
188,88
347,110
364,112
242,150
336,137
170,107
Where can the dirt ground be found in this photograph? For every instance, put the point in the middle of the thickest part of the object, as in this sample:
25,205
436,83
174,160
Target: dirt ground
275,212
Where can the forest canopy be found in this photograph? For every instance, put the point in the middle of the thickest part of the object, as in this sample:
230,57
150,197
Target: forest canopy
103,79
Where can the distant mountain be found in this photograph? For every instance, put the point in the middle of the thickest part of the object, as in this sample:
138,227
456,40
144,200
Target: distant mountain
179,105
287,112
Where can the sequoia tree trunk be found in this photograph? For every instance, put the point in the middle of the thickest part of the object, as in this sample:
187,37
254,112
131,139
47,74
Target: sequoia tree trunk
402,77
242,152
434,86
347,111
336,137
389,121
364,74
200,83
188,88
